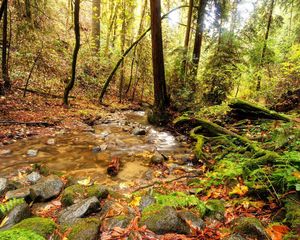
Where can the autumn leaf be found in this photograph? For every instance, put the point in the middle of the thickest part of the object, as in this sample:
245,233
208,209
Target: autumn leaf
240,190
85,182
276,232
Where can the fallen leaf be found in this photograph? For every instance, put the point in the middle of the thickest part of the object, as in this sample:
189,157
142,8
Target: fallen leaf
240,190
276,232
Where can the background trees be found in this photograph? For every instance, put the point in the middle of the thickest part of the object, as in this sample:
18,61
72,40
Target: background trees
213,50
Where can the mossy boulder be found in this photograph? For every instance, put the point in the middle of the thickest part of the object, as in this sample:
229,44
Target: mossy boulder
250,227
42,226
71,194
215,209
20,234
77,192
165,220
85,229
121,221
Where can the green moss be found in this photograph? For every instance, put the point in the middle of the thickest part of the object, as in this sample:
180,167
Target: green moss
98,191
70,194
293,214
20,234
42,226
200,141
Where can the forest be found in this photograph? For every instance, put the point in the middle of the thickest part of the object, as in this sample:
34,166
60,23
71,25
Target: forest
150,119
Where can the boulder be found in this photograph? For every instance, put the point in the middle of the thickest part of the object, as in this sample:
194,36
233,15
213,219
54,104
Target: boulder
46,188
192,218
18,193
215,209
250,227
121,221
33,177
98,191
3,185
72,194
139,131
84,229
165,221
157,158
79,210
16,215
42,226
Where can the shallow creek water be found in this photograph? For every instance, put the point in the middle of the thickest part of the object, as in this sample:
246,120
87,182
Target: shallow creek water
73,155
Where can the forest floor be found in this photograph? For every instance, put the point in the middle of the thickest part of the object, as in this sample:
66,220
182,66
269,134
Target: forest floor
225,195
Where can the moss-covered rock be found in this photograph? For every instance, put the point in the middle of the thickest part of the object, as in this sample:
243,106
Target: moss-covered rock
71,194
98,191
20,234
250,227
121,221
215,209
42,226
164,221
85,229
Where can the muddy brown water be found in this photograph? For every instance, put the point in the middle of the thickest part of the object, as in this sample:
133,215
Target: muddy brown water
73,155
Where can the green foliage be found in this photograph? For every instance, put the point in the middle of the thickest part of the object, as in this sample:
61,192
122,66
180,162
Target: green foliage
177,200
19,234
8,206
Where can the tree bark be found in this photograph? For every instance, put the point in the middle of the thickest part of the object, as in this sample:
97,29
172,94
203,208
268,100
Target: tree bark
28,9
198,37
3,6
263,53
5,75
96,11
70,85
123,38
160,90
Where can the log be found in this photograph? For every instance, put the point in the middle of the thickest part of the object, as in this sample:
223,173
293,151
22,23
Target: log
245,110
44,124
114,167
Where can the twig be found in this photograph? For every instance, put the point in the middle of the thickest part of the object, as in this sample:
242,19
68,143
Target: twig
164,182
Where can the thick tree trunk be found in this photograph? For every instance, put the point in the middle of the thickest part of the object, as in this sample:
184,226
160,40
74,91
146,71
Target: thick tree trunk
263,53
96,11
198,37
160,90
112,19
5,74
75,54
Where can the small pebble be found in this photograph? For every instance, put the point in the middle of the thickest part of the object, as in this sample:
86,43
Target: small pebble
32,152
51,141
33,177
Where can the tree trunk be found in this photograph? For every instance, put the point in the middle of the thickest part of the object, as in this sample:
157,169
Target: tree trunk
5,74
160,90
198,37
96,11
3,6
28,9
123,38
187,36
112,20
263,53
75,54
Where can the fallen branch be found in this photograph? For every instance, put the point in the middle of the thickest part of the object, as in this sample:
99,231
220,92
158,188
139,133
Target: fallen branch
164,182
41,93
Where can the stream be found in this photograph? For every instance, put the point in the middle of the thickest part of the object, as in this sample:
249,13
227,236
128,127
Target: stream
88,153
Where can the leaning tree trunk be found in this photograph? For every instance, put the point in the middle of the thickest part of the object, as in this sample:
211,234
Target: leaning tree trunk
198,37
75,54
5,74
263,53
96,24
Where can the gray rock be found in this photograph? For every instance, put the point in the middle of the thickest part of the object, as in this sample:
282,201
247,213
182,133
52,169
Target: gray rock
165,221
18,193
33,177
215,209
139,132
157,158
146,201
5,152
121,221
16,215
32,153
194,220
250,227
100,148
51,141
3,185
46,188
79,210
85,229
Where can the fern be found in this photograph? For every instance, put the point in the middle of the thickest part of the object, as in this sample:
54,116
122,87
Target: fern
8,206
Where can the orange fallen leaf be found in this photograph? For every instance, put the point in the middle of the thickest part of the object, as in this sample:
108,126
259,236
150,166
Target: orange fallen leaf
277,232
